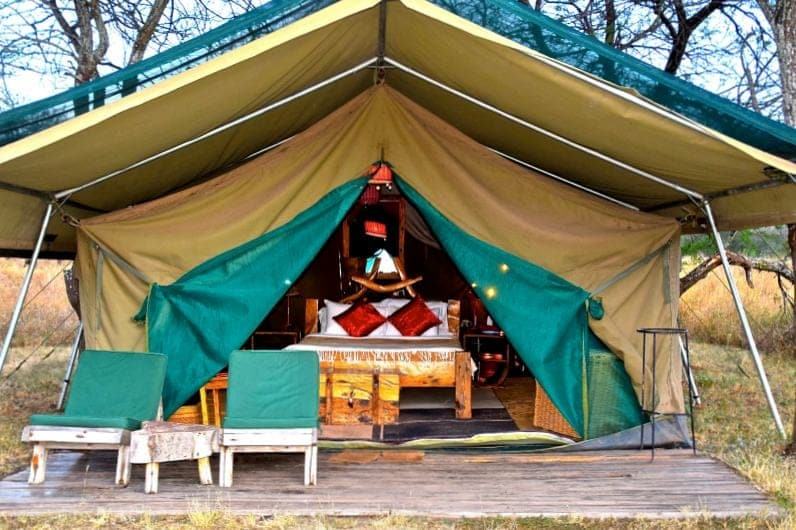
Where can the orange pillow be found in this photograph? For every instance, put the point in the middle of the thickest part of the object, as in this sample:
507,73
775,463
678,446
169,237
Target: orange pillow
414,318
360,320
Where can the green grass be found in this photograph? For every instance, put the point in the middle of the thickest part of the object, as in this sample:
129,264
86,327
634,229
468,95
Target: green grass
732,425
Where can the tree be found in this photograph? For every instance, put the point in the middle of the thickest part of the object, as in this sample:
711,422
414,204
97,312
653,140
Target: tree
83,39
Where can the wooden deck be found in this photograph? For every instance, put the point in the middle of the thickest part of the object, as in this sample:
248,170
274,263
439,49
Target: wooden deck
605,484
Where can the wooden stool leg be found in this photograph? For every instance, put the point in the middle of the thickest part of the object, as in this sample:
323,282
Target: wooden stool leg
151,478
205,473
123,466
38,464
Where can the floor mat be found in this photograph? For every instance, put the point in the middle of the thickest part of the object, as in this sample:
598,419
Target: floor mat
440,423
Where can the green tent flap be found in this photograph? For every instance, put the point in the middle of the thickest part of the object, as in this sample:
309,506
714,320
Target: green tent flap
202,317
543,315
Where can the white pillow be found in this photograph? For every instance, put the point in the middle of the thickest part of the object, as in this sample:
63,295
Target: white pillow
332,310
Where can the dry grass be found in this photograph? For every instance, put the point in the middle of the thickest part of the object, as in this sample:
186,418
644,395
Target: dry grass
46,309
708,312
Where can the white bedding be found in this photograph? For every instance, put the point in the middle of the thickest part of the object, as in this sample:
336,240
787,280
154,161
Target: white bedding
322,342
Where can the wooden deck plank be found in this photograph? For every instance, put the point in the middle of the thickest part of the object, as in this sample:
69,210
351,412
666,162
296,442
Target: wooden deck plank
597,484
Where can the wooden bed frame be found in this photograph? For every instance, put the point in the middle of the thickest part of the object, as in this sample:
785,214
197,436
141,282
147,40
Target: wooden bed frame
456,374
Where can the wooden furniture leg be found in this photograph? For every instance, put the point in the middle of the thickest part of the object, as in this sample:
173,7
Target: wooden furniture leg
225,473
205,473
203,405
217,407
314,467
307,466
151,478
123,466
38,464
464,378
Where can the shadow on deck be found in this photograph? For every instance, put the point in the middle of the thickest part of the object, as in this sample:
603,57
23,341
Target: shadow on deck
454,484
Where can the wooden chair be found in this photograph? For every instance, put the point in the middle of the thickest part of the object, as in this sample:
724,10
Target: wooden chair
272,407
111,394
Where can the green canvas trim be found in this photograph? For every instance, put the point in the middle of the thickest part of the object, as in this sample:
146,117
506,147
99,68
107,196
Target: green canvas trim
27,119
208,312
508,18
529,27
543,315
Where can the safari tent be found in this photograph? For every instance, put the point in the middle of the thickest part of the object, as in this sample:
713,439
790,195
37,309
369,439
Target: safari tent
194,203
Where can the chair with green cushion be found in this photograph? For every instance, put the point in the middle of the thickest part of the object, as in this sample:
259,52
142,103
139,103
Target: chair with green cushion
272,407
111,394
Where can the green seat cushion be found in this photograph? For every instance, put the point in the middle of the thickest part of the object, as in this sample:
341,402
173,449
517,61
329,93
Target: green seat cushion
61,420
273,389
274,423
112,384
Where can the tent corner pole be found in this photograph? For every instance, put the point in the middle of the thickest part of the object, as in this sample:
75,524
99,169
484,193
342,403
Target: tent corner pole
70,365
23,289
736,296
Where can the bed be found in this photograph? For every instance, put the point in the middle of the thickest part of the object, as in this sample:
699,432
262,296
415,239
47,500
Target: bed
362,376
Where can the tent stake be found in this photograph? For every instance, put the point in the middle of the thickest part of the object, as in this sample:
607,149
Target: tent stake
70,365
736,297
221,128
545,132
23,289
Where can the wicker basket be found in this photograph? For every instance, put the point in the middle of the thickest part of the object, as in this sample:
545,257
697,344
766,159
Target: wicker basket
187,414
546,416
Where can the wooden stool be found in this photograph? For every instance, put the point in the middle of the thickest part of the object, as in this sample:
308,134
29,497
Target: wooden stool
163,441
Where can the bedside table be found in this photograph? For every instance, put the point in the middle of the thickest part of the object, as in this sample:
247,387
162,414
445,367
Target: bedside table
491,352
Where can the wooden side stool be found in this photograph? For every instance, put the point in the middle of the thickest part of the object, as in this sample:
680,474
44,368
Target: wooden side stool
162,441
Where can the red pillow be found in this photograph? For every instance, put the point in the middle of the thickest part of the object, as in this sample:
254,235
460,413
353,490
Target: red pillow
414,318
360,319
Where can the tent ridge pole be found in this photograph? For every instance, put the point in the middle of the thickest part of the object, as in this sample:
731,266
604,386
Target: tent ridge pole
564,180
23,289
221,128
736,297
546,132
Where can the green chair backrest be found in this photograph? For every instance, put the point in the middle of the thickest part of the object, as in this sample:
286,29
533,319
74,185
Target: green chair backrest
117,384
273,385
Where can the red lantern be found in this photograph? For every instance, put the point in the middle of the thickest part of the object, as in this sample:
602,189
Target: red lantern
376,229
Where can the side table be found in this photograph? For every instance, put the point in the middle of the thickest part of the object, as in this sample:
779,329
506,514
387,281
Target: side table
497,354
162,441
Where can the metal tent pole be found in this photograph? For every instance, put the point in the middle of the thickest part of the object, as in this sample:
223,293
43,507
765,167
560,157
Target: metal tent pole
689,374
221,128
23,290
546,132
761,372
70,365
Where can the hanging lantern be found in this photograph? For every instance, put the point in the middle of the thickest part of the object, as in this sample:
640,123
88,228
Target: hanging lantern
376,229
380,175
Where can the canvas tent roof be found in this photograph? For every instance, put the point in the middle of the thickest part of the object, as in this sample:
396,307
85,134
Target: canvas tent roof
577,120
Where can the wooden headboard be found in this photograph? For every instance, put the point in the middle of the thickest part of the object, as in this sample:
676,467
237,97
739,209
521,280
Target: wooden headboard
312,306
